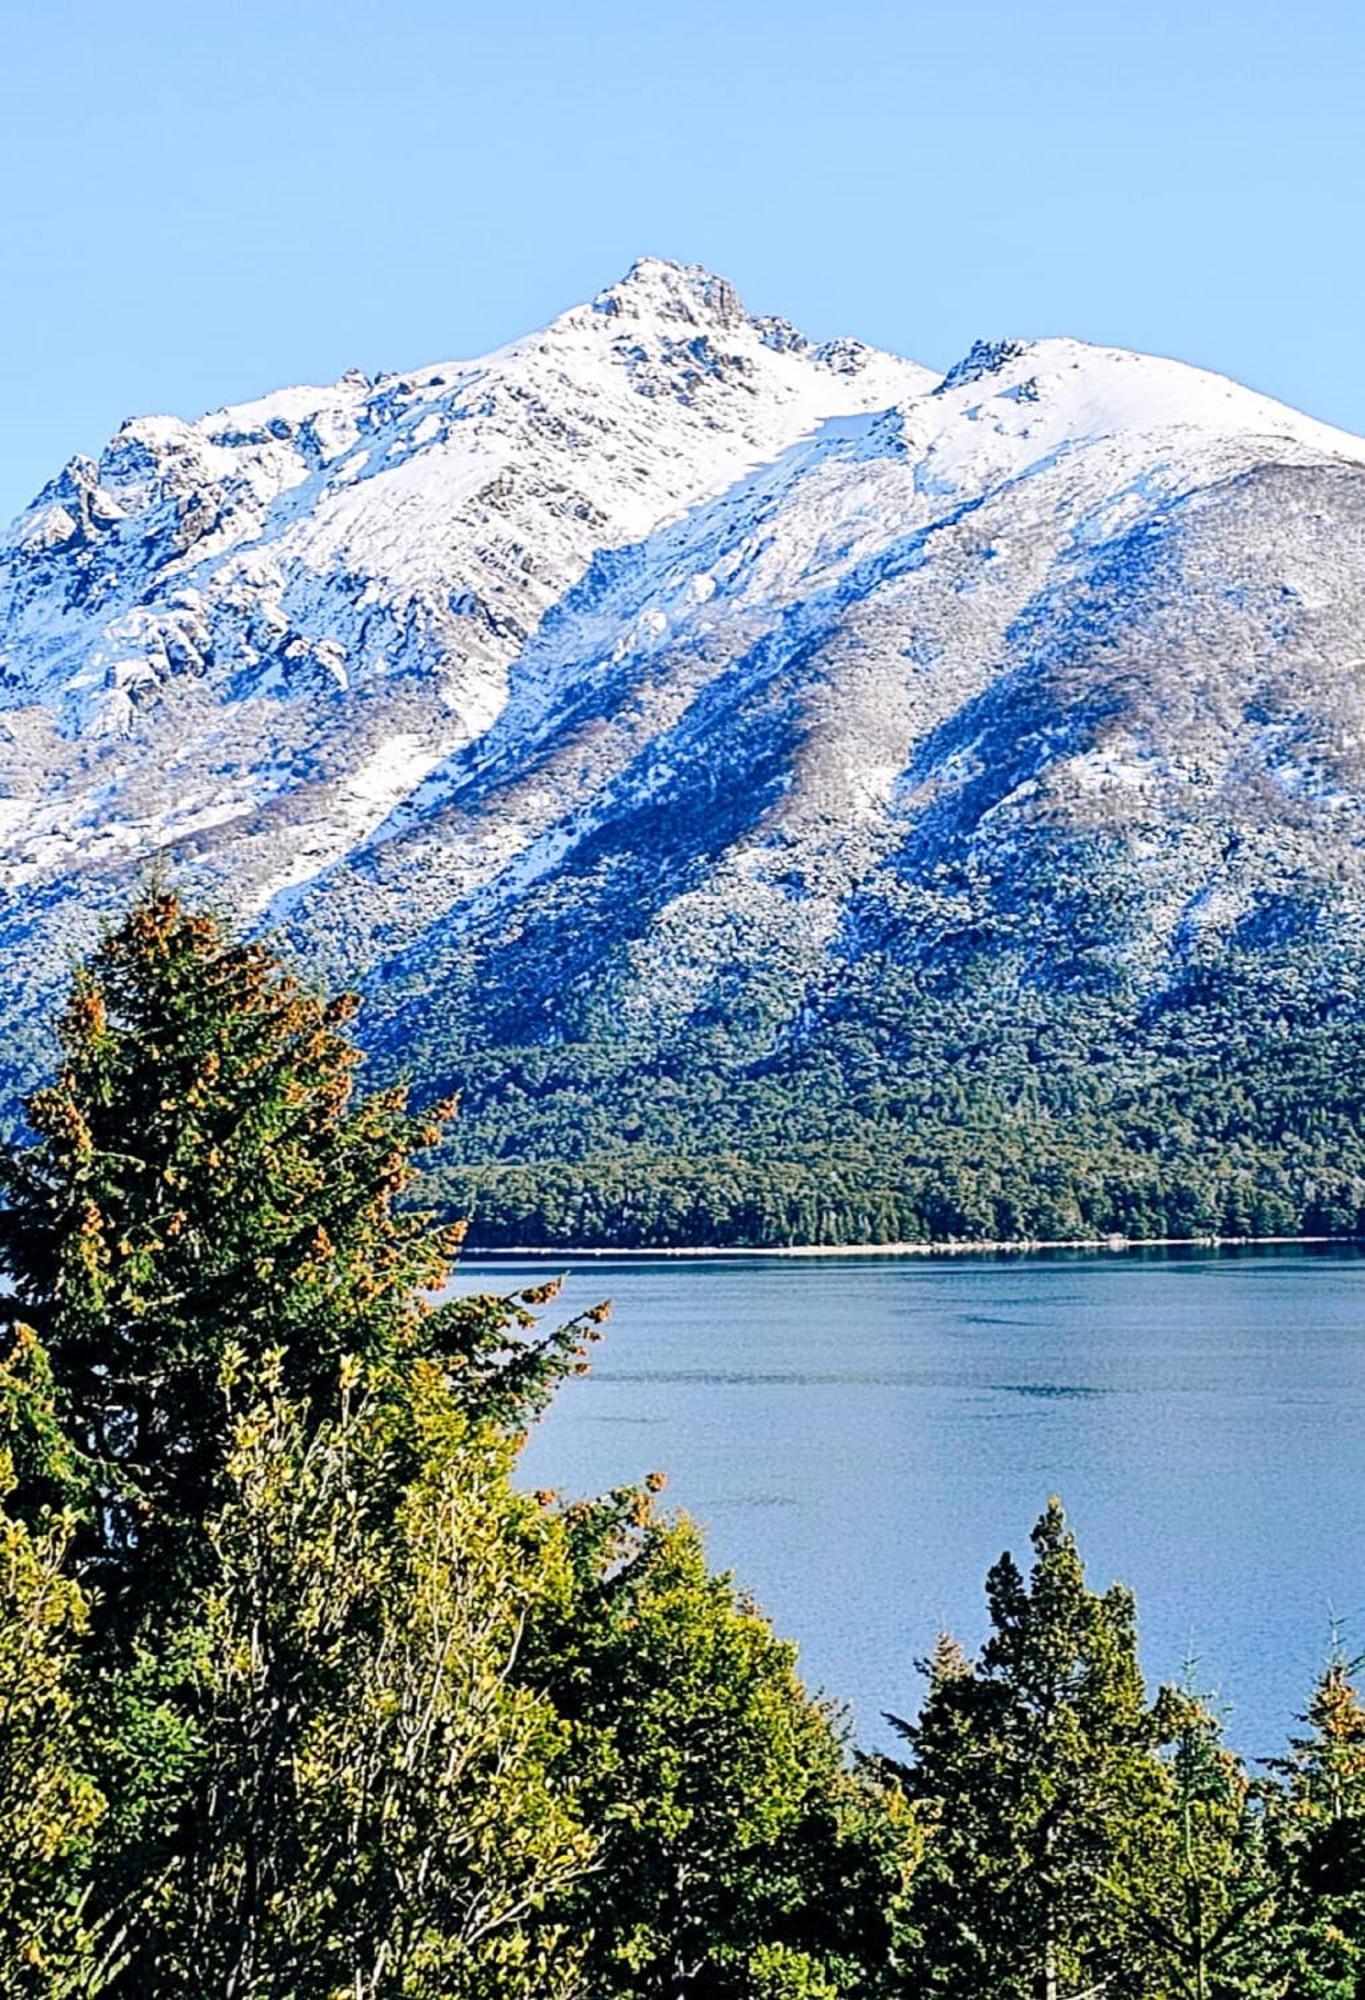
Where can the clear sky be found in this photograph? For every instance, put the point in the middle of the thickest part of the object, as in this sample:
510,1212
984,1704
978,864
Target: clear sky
202,201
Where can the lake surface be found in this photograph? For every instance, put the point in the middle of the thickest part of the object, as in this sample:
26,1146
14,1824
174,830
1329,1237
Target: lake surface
861,1437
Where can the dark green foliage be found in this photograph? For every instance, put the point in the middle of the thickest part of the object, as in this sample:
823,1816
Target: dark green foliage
1079,1842
983,1109
1037,1773
203,1177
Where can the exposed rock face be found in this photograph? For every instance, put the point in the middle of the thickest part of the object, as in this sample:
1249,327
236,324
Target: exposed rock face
666,667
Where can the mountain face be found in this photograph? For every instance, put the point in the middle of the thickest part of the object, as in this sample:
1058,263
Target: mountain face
704,745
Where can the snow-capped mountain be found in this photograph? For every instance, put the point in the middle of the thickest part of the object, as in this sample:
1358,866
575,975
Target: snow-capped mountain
317,597
665,667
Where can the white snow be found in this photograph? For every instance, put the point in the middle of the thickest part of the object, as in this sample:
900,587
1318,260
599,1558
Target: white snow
290,631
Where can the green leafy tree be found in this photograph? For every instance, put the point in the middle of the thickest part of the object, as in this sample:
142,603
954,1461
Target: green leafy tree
1037,1773
50,1804
377,1807
738,1855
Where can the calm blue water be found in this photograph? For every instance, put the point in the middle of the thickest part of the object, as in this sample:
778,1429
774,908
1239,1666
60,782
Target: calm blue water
862,1436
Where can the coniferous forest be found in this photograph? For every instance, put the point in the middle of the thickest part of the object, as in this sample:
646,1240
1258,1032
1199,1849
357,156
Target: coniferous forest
301,1697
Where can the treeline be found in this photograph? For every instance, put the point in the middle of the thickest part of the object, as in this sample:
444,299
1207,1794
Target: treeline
302,1699
1024,1116
993,1192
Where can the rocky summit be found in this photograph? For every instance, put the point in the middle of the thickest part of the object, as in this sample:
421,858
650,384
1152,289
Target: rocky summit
795,796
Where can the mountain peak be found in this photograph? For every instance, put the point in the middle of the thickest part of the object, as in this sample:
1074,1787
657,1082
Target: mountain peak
711,652
657,286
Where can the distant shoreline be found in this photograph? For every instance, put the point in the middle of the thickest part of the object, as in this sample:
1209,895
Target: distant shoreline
1015,1246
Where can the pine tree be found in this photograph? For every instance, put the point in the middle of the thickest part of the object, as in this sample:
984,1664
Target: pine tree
1318,1824
203,1176
1036,1771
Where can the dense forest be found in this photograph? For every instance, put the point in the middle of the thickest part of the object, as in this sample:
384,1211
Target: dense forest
301,1698
981,1108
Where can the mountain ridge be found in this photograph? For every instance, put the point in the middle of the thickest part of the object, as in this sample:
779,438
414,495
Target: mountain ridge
668,695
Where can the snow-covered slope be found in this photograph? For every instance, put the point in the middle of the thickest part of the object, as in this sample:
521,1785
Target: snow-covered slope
662,666
305,602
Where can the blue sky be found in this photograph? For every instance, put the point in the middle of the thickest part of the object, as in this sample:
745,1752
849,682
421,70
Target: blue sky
203,202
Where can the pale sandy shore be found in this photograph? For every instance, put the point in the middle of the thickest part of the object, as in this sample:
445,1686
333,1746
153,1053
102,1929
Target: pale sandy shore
1016,1246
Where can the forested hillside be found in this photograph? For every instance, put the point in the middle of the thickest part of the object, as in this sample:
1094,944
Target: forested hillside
911,1115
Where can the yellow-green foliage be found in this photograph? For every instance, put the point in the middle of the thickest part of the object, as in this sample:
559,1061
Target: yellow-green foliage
50,1805
381,1804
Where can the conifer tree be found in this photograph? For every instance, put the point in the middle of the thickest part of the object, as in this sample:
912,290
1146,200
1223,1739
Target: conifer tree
1206,1902
1318,1825
202,1175
1036,1770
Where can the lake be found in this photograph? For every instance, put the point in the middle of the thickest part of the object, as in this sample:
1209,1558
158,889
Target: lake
861,1436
